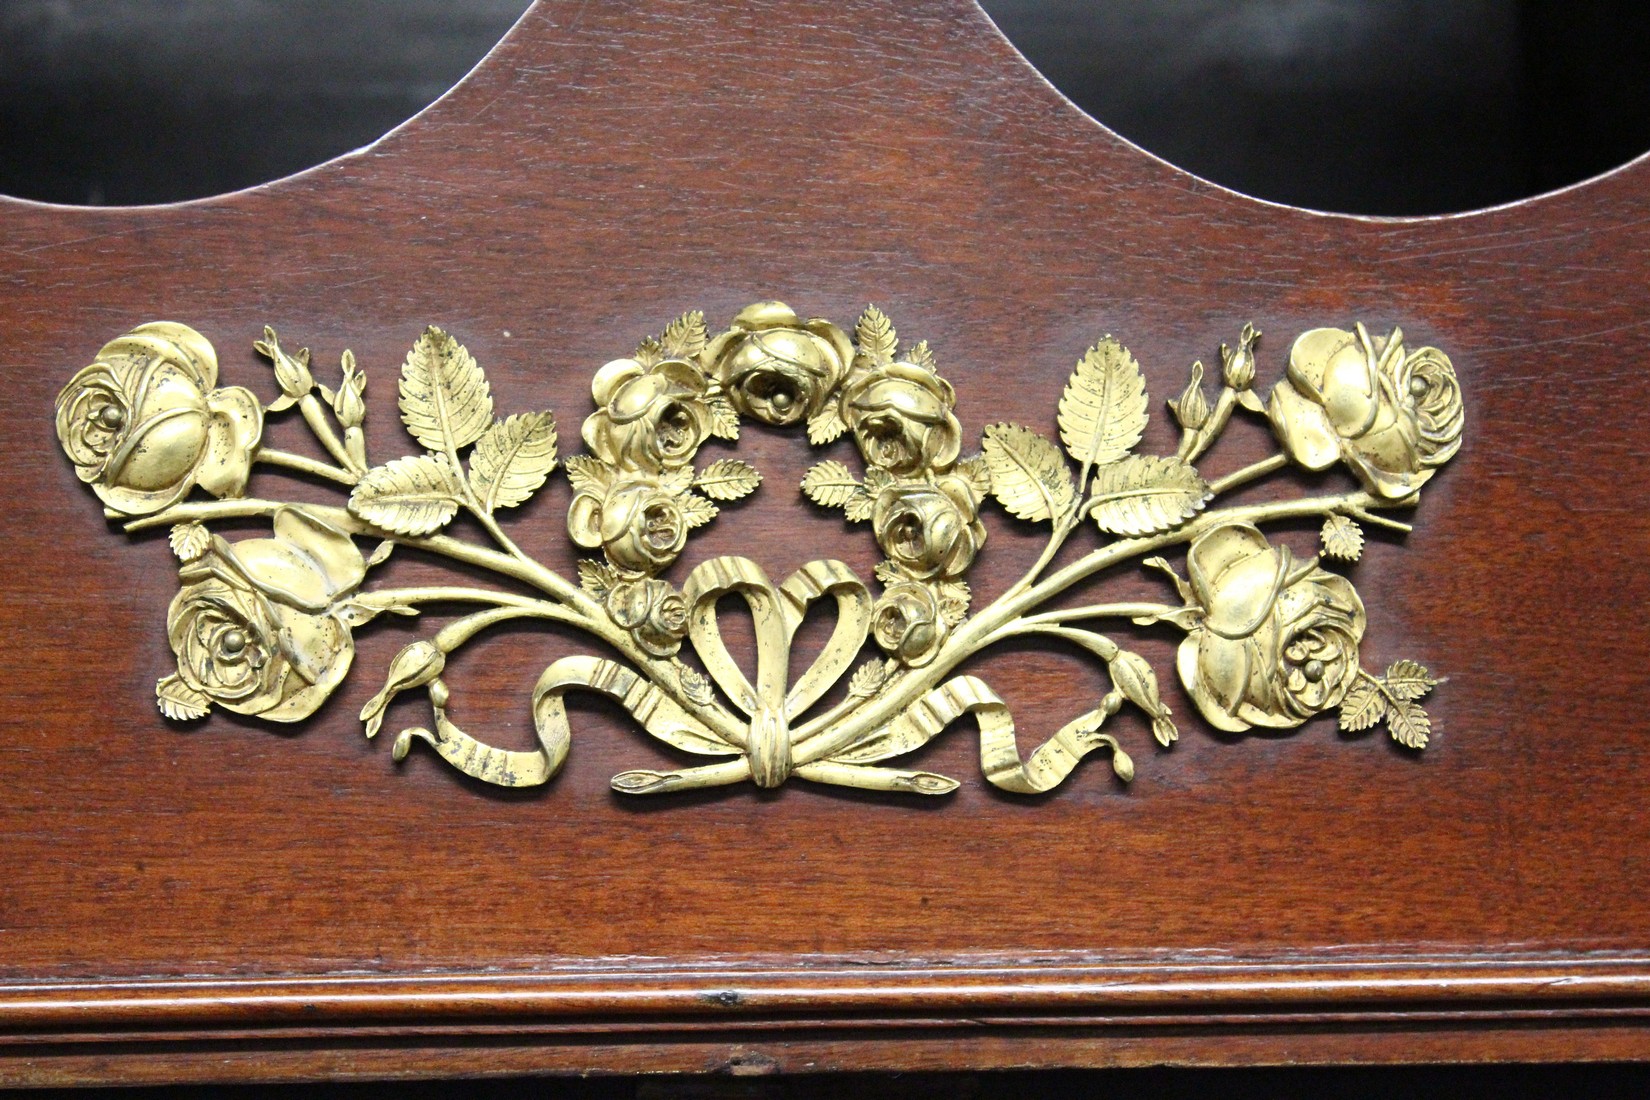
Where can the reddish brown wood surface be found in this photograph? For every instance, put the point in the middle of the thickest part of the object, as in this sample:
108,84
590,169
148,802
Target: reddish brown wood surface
238,900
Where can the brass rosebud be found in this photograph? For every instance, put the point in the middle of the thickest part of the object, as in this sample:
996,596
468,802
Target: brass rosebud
1134,677
259,626
775,366
638,523
144,424
648,419
1393,418
1237,368
1277,639
931,530
416,665
348,401
901,418
907,623
1192,408
653,611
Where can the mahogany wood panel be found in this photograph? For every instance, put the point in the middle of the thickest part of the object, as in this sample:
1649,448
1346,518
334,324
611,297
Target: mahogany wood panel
235,900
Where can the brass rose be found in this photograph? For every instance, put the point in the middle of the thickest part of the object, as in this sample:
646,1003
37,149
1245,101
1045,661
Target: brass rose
638,523
908,624
1275,640
931,530
261,626
650,418
1392,417
1272,638
144,424
901,418
775,366
654,612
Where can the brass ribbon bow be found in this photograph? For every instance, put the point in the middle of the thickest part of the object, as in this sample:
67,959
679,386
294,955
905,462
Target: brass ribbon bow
765,741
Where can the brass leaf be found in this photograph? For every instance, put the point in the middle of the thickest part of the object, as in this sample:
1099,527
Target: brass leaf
869,677
512,459
1409,723
1363,706
410,496
1028,473
830,483
445,399
875,336
1103,410
1342,538
588,475
728,479
1408,680
180,702
1147,494
684,337
189,541
696,510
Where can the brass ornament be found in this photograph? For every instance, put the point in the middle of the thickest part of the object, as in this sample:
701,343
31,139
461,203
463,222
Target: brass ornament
264,626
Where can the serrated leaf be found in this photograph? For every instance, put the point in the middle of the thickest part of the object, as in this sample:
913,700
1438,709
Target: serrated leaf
830,483
512,458
189,541
413,496
595,577
953,599
889,573
1028,473
1146,494
649,352
724,418
180,702
977,472
1103,410
696,687
1409,724
1342,538
875,336
826,426
684,337
921,355
869,677
445,400
1408,680
1362,707
588,475
677,480
728,479
696,510
860,507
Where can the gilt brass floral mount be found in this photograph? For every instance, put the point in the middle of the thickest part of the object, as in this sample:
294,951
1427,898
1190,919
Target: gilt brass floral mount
264,626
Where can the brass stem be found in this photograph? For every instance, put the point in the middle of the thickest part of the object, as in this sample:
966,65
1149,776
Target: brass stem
1248,473
1099,611
305,465
315,416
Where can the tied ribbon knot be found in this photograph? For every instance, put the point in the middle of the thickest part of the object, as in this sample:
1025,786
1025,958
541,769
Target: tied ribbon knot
776,614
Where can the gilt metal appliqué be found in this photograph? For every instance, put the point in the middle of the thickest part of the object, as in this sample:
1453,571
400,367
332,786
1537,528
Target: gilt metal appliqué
265,626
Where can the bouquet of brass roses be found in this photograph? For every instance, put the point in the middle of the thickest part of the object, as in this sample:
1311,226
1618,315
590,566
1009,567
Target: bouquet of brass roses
264,626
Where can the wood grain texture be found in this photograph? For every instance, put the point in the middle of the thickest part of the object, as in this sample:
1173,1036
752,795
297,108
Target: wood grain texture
230,900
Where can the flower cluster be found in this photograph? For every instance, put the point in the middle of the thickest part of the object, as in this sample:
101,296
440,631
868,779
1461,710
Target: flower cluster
923,503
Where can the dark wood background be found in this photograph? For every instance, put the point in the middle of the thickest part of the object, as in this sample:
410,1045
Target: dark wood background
231,900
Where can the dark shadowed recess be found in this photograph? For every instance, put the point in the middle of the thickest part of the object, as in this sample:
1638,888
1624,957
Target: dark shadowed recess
1362,106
